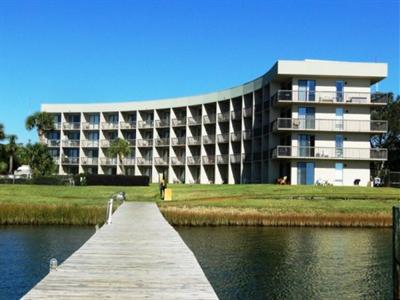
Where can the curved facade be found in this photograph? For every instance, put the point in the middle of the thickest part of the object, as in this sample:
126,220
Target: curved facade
306,121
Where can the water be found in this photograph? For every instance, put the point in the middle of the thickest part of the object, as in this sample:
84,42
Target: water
294,263
25,252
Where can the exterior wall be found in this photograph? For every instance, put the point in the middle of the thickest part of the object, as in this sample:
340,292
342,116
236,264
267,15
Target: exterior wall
227,136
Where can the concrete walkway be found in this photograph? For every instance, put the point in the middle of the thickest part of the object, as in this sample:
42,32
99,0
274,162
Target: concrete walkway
138,256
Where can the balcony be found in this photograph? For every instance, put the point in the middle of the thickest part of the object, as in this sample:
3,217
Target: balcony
178,161
106,143
159,161
195,120
70,143
179,141
194,140
57,126
71,126
161,142
90,126
162,123
236,115
56,160
127,125
208,139
236,158
193,160
328,97
223,138
70,160
90,143
223,117
128,161
107,161
236,136
311,124
89,161
326,153
208,160
223,159
109,126
146,124
141,161
132,142
178,122
145,143
210,119
247,112
53,143
247,135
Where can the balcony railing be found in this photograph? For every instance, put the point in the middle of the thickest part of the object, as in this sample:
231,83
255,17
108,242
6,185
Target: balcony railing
56,160
132,142
236,136
107,161
128,125
195,120
70,143
70,160
194,140
236,115
161,142
128,161
177,161
146,124
179,122
53,143
90,143
236,158
109,125
247,112
71,126
247,135
223,138
330,153
223,117
90,126
162,123
145,143
106,143
159,161
208,139
209,119
208,160
144,161
329,97
179,141
193,160
222,159
57,125
89,161
303,124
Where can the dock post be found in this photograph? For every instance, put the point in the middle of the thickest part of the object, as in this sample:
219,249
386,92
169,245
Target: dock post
109,211
396,252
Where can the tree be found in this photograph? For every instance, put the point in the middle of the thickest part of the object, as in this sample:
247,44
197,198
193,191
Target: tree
120,148
11,149
390,139
37,156
42,121
2,134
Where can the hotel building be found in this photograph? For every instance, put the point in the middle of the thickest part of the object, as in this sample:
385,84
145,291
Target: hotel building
307,120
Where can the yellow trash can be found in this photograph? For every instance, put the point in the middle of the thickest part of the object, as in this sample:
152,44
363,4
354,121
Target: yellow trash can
168,194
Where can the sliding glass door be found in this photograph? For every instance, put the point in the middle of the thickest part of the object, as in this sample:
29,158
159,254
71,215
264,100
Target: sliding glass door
305,172
307,90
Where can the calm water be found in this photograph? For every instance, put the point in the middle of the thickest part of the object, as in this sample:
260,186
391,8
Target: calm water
294,263
25,252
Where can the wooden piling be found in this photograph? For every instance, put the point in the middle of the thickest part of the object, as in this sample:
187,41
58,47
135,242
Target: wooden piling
396,252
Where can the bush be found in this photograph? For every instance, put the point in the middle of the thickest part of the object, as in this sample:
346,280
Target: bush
118,180
51,180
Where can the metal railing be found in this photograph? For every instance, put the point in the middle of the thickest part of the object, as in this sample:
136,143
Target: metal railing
208,139
71,125
223,117
177,161
209,119
247,135
178,141
56,160
144,161
128,161
223,138
195,120
109,125
179,122
247,112
144,143
329,97
106,143
127,125
330,125
89,161
236,158
161,142
330,153
57,125
208,160
146,124
53,143
236,136
90,143
194,140
70,160
222,159
162,123
193,160
132,142
70,143
236,115
90,126
108,161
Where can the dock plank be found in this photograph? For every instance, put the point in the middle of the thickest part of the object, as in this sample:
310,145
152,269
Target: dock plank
138,256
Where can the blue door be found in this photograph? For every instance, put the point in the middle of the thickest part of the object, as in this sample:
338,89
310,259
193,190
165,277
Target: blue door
339,145
307,117
307,90
306,142
305,173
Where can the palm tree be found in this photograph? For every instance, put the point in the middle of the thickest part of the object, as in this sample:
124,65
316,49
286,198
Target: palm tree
42,121
2,134
11,149
120,147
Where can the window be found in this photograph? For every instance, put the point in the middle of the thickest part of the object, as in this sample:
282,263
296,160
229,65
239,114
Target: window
339,90
339,173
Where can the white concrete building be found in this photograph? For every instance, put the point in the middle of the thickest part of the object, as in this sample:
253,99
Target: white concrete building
308,120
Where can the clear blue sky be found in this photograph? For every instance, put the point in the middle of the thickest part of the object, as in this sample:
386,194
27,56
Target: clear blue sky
104,51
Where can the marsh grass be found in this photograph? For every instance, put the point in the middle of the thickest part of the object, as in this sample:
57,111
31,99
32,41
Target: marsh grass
214,216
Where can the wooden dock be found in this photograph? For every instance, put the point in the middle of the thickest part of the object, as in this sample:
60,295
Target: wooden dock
138,256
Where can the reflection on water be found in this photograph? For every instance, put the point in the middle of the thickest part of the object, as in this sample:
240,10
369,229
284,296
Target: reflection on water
294,263
25,252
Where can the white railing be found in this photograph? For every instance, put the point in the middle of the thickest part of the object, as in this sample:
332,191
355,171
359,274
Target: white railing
90,143
128,161
193,160
70,143
179,141
107,161
71,126
162,142
236,115
160,161
194,140
144,143
90,126
209,119
106,143
128,125
330,153
208,139
208,160
177,161
146,124
223,117
195,120
223,138
144,161
89,161
108,125
57,125
330,125
247,135
179,122
236,136
247,112
162,123
222,159
53,143
70,160
236,158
